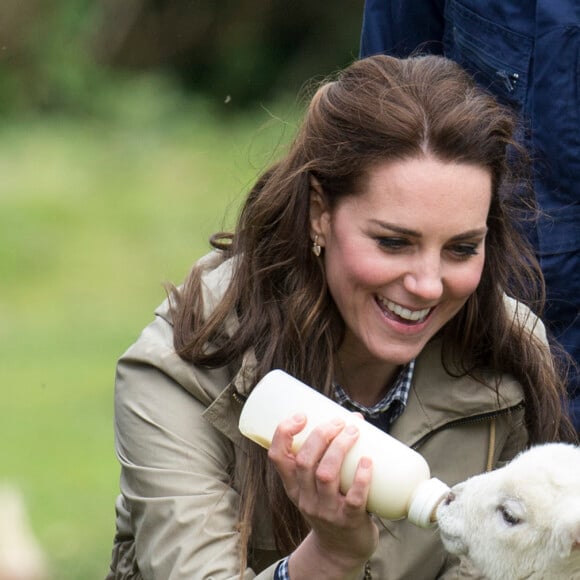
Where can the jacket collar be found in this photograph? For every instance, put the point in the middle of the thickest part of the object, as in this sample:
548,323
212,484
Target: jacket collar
438,399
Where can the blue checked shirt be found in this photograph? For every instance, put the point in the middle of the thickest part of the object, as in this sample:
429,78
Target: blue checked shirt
389,408
382,414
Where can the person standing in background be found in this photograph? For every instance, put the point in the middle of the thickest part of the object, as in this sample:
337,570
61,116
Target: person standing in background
527,53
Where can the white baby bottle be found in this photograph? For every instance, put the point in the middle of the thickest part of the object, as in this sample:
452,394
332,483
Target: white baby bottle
401,484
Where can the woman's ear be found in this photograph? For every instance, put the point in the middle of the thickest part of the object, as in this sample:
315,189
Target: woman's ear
319,212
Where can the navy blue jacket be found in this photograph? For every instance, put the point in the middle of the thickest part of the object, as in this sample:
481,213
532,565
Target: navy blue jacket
527,52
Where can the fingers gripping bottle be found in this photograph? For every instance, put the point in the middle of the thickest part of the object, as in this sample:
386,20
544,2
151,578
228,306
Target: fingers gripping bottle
401,484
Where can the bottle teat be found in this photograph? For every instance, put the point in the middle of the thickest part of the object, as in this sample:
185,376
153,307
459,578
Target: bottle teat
425,500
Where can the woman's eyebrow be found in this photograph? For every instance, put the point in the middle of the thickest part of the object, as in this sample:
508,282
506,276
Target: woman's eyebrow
474,233
395,228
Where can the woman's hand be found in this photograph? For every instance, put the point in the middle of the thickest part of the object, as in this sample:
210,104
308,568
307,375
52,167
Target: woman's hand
343,535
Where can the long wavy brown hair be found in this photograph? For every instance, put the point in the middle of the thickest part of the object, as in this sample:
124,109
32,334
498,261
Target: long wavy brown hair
377,109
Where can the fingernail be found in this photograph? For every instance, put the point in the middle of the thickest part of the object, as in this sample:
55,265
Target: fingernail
299,418
338,422
365,463
352,430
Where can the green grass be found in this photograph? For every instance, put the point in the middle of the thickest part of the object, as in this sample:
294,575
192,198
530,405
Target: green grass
95,215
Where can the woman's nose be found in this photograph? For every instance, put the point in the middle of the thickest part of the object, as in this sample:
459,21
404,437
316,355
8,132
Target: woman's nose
424,279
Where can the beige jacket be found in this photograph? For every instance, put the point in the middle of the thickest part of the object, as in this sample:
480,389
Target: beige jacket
179,448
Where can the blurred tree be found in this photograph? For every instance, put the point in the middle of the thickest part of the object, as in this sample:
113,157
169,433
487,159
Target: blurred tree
241,49
54,52
43,62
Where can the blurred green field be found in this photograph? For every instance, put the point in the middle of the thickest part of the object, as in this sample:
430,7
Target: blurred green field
95,215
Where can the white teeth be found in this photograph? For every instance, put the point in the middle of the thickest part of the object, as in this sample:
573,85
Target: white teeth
413,315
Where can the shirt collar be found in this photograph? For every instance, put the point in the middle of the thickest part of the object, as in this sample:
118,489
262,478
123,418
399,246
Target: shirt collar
397,396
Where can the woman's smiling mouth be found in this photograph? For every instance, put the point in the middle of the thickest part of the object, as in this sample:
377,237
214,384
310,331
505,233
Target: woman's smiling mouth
404,314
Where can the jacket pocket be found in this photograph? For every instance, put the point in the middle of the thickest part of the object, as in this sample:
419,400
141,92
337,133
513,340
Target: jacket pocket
497,57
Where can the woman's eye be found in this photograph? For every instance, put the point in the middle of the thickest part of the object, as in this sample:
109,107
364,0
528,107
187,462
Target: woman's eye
465,250
393,243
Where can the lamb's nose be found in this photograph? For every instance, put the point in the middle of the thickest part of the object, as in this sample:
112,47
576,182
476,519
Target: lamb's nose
449,498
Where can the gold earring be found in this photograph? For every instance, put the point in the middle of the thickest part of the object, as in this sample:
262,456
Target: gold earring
316,248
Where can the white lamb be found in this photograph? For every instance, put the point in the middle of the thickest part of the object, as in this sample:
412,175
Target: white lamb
521,521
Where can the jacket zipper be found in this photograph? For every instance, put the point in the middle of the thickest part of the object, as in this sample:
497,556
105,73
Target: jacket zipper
509,80
489,67
467,421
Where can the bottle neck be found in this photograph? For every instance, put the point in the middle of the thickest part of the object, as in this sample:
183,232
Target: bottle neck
425,500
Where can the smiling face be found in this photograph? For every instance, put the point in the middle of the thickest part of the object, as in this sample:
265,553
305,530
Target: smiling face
403,256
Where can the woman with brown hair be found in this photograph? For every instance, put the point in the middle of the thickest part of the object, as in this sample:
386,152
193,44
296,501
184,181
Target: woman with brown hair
378,262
